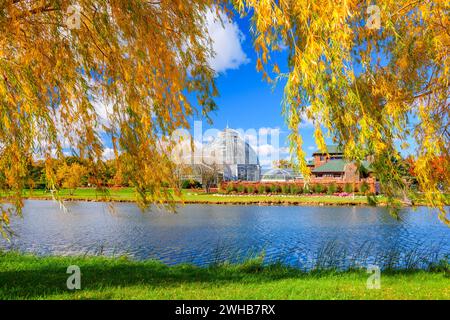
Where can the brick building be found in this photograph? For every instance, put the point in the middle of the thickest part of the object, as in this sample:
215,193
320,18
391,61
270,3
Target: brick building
331,167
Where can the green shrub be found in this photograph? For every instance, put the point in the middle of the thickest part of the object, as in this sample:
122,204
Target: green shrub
348,188
332,188
230,188
261,189
285,189
318,188
240,188
190,184
308,189
293,189
273,188
185,184
364,187
250,189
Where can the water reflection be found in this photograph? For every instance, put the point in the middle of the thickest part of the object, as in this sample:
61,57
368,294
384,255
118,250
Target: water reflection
203,234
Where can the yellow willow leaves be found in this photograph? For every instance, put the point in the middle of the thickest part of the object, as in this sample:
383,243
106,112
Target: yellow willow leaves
5,218
141,58
138,58
366,85
275,68
320,140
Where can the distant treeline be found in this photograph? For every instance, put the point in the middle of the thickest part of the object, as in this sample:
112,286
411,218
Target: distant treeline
73,172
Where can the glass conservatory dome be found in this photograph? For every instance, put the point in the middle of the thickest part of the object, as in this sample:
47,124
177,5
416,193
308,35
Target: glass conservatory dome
232,156
229,148
277,175
185,153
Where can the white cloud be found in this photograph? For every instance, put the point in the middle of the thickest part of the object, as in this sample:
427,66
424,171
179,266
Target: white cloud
252,139
266,131
284,150
266,150
305,121
268,153
104,110
108,154
266,163
227,40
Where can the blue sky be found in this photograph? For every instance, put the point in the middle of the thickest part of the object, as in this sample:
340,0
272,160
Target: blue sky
246,101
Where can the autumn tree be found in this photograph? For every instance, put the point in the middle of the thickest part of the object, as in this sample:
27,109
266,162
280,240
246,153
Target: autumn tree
438,169
71,176
371,77
72,71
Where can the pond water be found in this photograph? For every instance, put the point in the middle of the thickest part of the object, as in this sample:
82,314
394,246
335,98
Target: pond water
204,234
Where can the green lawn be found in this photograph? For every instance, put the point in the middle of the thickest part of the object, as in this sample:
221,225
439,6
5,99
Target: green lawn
192,196
30,277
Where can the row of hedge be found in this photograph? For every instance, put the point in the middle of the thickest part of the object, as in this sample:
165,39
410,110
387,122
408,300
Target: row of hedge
239,188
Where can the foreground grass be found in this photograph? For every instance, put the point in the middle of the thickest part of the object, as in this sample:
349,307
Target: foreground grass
189,196
31,277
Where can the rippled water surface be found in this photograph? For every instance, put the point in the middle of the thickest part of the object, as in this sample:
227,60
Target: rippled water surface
202,234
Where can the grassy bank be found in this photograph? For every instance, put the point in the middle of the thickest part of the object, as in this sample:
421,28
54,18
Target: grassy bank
31,277
192,196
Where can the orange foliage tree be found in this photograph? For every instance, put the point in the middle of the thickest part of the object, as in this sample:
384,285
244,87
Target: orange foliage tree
71,70
371,75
